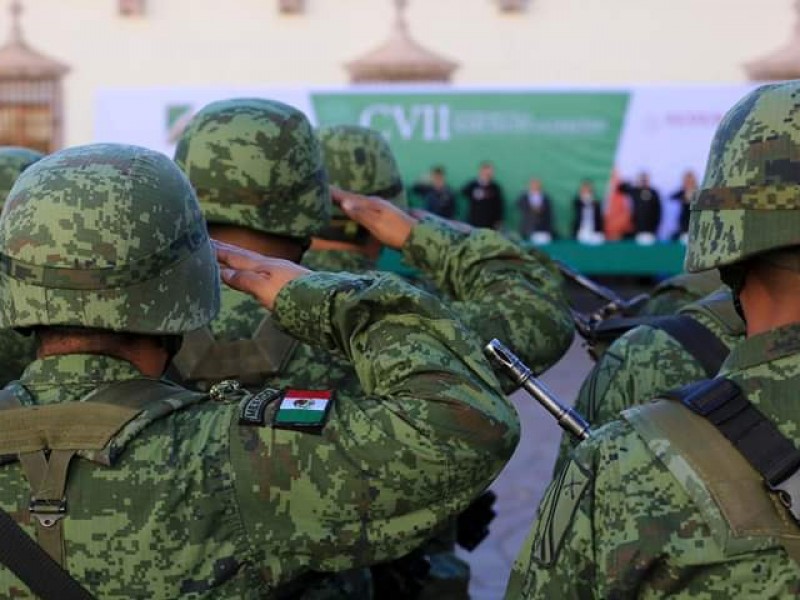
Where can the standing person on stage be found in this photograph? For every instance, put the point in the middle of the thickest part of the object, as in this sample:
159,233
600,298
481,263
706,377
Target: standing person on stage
485,200
646,205
439,198
536,210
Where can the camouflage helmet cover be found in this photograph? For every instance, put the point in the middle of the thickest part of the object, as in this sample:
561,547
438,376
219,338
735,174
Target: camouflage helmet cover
360,160
106,236
749,202
257,164
13,161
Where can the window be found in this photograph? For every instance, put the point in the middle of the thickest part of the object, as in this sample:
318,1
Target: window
131,8
511,5
291,7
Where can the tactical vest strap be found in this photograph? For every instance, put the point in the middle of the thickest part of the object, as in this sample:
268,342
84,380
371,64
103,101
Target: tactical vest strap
772,454
29,562
727,487
203,358
48,506
45,439
68,426
699,341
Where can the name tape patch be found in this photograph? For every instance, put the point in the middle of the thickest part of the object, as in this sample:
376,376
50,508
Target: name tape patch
252,409
306,410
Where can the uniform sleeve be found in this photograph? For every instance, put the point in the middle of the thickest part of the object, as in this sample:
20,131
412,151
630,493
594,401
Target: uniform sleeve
498,290
429,433
635,369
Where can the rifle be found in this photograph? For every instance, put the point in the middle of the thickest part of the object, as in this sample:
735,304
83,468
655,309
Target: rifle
569,420
615,304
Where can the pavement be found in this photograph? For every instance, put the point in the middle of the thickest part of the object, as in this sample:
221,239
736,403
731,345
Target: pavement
524,480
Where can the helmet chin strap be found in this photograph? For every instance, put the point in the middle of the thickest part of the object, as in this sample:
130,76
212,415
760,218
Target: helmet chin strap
172,344
733,276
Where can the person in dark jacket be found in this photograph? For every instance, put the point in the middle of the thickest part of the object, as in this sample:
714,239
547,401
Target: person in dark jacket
439,198
485,199
646,205
536,211
587,212
684,196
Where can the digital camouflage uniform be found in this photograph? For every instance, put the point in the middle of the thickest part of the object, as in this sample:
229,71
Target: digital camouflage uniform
491,284
632,515
671,295
647,361
199,499
16,350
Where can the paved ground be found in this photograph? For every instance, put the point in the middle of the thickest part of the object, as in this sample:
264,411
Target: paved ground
524,480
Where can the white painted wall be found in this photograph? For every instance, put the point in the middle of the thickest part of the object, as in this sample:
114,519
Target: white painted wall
247,42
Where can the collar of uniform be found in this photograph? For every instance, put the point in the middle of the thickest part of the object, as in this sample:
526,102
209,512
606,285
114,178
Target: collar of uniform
72,376
764,347
338,260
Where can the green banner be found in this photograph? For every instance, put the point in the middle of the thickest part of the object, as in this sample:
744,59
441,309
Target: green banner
560,138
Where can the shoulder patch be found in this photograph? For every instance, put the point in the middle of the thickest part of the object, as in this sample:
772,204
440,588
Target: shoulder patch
253,408
304,410
557,512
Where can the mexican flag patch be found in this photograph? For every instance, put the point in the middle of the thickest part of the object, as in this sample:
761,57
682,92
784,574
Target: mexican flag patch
303,409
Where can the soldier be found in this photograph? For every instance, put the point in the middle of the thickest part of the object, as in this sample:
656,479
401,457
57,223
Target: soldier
16,349
271,204
257,170
493,286
663,354
141,489
672,499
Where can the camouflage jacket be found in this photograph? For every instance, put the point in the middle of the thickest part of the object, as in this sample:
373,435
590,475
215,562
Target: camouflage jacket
676,292
494,287
645,362
198,505
616,523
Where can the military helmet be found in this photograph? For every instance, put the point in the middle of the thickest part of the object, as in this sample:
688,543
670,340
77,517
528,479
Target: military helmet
257,164
13,161
106,236
749,201
359,160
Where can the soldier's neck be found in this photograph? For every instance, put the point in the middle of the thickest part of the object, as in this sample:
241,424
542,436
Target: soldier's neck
256,241
769,299
146,353
371,249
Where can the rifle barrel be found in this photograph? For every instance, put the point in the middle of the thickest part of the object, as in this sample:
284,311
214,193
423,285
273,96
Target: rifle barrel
568,419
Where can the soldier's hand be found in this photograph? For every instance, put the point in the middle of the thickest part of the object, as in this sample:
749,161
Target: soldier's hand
390,225
260,276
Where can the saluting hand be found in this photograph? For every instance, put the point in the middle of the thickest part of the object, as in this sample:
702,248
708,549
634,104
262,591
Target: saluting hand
260,276
390,225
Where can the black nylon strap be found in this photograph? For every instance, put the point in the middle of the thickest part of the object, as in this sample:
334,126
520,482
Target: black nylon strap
699,341
32,565
725,405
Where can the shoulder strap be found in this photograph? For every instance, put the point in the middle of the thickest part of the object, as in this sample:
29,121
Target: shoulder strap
33,566
774,456
699,341
204,358
728,492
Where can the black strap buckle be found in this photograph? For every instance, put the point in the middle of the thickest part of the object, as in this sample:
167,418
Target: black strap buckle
788,492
